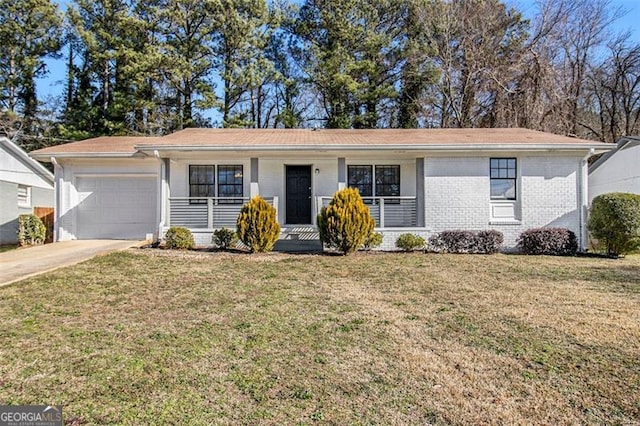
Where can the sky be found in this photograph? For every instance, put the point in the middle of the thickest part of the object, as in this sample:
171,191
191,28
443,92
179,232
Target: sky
52,84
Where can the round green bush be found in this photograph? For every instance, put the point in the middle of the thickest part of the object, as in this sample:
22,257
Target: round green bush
614,221
224,238
179,238
258,226
346,223
31,230
410,242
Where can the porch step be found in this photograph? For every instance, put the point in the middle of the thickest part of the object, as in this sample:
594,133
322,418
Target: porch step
298,246
299,239
304,233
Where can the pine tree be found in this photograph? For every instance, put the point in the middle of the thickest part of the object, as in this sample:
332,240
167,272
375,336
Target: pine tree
30,31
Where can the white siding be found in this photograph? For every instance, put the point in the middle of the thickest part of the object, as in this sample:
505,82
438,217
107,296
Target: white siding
14,170
619,173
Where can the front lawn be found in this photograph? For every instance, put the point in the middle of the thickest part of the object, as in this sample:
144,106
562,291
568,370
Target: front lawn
158,337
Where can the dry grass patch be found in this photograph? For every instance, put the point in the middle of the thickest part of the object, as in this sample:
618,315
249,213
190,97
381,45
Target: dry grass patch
147,337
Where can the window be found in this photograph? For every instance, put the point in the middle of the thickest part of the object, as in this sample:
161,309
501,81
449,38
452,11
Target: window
230,183
503,178
201,183
387,180
24,196
361,177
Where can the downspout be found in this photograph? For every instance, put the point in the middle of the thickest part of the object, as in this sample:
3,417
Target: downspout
162,193
583,206
58,175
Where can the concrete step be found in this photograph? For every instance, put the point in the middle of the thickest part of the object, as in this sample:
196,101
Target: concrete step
298,246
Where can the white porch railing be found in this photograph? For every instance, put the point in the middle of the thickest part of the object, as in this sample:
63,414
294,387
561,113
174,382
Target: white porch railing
209,212
388,212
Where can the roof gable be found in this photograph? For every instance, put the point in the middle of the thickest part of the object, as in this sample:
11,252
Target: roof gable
16,165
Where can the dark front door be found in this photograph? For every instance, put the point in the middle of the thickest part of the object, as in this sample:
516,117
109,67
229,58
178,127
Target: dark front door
298,195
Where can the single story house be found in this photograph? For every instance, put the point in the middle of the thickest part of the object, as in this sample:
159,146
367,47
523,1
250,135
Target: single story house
617,170
24,184
416,180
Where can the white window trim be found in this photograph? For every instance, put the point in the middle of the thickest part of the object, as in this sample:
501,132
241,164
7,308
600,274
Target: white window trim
498,207
24,201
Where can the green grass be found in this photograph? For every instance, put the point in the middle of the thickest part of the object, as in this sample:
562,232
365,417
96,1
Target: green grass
155,337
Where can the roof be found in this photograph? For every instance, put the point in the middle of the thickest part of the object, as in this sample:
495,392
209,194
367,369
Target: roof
321,139
29,162
624,143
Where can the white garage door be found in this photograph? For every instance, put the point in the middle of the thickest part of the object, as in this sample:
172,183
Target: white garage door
119,207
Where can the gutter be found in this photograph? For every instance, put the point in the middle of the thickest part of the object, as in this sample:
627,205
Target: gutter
444,148
47,156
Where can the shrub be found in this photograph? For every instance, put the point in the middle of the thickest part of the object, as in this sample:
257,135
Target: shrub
179,238
258,226
550,241
373,240
346,223
480,242
410,242
489,242
31,230
452,242
615,222
224,238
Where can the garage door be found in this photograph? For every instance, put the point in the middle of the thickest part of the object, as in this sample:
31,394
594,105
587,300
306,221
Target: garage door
119,207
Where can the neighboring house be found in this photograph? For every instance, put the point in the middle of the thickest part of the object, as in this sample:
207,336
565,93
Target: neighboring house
617,170
420,180
24,184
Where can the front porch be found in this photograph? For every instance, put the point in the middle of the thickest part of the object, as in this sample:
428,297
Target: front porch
211,213
204,195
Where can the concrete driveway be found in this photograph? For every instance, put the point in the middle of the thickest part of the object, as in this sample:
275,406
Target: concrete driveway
16,265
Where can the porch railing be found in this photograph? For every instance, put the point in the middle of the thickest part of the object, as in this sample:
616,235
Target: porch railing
389,212
209,212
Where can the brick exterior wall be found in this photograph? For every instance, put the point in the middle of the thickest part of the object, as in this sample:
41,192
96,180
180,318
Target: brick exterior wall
457,196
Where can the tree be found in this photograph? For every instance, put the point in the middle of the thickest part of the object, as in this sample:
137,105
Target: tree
418,70
30,30
241,38
345,48
188,28
478,42
613,88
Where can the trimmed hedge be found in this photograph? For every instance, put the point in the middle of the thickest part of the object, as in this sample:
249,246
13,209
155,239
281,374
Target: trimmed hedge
179,238
346,223
410,242
31,230
476,242
258,226
614,221
224,238
549,241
